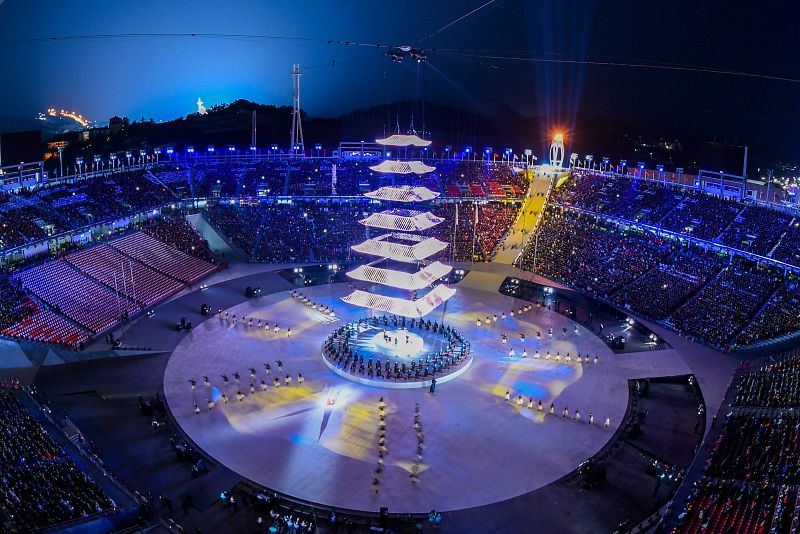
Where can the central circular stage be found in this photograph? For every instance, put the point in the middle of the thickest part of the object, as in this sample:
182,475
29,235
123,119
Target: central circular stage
396,353
319,439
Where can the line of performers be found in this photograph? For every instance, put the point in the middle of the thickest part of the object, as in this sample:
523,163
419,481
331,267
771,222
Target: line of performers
338,350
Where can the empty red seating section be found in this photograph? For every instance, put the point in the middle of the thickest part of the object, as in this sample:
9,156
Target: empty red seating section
496,190
137,281
163,258
83,300
453,190
49,327
476,190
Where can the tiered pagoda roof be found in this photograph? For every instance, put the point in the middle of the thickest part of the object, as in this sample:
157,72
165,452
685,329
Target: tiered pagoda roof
410,281
401,243
402,220
407,308
391,166
402,140
393,246
404,193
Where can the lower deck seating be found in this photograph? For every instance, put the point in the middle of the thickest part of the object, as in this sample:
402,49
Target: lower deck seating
75,295
163,258
48,327
137,281
40,484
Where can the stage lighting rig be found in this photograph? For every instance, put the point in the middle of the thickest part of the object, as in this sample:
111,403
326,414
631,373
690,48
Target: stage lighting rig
396,55
418,54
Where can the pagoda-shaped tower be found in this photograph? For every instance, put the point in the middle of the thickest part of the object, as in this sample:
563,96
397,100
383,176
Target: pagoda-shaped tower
403,244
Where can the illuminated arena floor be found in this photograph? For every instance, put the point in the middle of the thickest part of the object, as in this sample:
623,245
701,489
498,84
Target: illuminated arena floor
318,441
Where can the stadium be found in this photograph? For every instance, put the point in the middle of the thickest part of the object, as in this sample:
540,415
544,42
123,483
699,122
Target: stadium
401,333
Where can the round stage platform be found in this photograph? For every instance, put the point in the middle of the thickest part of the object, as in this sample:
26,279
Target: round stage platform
395,353
317,439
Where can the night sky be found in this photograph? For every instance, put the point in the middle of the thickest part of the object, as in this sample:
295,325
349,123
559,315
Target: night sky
161,77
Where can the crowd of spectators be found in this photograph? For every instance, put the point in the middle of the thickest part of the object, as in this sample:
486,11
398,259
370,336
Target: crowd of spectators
721,506
705,294
457,232
756,230
331,176
758,449
494,220
175,231
751,478
779,316
720,311
325,230
591,254
15,305
788,249
32,214
265,232
626,197
40,485
774,385
336,227
732,222
701,215
661,290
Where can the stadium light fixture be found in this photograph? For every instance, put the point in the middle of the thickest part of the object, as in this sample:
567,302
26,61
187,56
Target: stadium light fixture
231,148
252,148
190,150
210,149
170,150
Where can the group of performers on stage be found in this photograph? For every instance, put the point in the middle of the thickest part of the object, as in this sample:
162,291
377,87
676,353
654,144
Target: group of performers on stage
338,350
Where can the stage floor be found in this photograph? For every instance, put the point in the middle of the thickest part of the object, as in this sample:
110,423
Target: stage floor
318,441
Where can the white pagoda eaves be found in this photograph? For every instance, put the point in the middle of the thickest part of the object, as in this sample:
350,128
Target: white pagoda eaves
402,220
391,166
402,140
398,279
404,193
422,248
396,306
